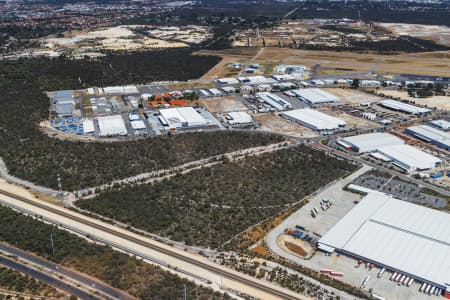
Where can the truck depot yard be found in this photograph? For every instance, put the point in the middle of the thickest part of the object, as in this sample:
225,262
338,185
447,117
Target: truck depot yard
352,266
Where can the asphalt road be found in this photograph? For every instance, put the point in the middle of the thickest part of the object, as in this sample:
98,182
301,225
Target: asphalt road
55,282
67,273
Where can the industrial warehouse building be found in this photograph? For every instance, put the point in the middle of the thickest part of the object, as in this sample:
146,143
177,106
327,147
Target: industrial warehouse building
273,100
402,237
404,107
239,118
442,124
409,158
431,135
315,96
181,117
371,141
315,120
64,104
112,125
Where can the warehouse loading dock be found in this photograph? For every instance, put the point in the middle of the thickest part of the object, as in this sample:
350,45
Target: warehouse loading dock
397,235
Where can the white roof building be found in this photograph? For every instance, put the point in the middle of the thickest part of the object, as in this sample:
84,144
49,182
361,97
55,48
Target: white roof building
430,134
256,79
239,118
315,120
409,158
121,90
290,69
273,100
88,126
372,141
182,117
443,124
215,92
315,96
397,235
227,80
112,125
404,107
137,124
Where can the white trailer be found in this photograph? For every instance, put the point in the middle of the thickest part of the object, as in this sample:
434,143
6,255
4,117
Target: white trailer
401,280
381,272
427,290
432,290
422,287
410,281
393,276
397,277
405,280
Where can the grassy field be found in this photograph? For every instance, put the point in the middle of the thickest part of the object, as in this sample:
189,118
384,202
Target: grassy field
430,63
207,207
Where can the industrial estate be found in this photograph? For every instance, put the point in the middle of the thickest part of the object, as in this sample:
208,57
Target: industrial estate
225,150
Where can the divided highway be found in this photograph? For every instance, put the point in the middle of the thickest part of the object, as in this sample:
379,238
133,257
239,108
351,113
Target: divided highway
52,281
82,279
184,262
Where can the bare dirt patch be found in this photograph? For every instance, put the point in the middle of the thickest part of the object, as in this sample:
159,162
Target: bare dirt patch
223,104
352,96
438,34
440,102
295,246
275,123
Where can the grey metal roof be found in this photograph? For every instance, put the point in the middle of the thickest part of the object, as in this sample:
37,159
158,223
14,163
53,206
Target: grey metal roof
405,237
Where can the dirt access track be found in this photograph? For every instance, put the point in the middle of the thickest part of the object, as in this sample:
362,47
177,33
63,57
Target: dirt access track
426,63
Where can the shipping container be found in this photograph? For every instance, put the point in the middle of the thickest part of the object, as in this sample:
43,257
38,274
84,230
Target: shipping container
326,271
300,227
422,287
393,276
337,274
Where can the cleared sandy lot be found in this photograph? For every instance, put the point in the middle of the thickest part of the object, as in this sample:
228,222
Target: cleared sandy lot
438,34
430,63
441,102
275,123
351,96
223,104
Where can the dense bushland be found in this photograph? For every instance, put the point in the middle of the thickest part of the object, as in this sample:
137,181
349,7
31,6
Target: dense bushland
207,207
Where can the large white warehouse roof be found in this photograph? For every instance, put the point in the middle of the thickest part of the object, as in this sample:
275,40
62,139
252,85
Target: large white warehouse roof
404,107
315,96
239,117
182,117
274,100
112,125
409,158
444,124
398,235
372,141
430,134
315,119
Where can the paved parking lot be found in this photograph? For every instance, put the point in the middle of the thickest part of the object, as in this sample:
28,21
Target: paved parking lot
354,275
